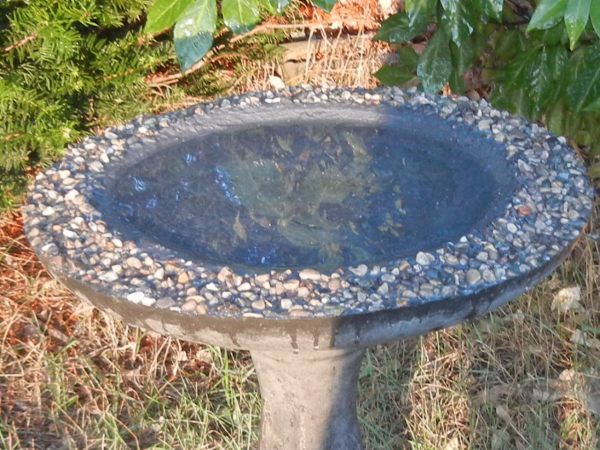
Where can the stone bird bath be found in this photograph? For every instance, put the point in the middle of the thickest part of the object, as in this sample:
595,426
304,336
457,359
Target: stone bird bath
307,225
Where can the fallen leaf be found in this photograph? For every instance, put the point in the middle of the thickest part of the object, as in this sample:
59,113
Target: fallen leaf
567,299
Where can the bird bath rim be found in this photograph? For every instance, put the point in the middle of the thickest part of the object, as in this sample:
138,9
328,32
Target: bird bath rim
548,209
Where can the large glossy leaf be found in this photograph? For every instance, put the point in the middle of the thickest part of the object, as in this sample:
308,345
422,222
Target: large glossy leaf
458,19
420,12
585,88
402,73
547,14
327,5
240,15
492,9
576,17
595,15
435,64
164,13
193,32
397,29
462,59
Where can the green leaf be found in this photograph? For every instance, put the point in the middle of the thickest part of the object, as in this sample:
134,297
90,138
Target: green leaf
585,88
595,15
594,172
164,13
435,64
394,75
547,14
420,12
396,29
402,72
240,15
327,5
593,106
492,9
194,32
279,5
462,59
457,19
576,17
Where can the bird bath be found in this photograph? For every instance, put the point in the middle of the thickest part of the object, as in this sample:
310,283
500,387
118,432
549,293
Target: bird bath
307,225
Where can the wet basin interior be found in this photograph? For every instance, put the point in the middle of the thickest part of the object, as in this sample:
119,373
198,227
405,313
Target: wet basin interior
319,192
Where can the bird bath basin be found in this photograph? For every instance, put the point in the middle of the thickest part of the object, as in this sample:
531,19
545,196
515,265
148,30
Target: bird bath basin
307,225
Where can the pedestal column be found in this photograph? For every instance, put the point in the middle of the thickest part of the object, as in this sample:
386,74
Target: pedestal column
309,399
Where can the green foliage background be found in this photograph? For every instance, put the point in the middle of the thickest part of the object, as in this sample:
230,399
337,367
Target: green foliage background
540,60
67,66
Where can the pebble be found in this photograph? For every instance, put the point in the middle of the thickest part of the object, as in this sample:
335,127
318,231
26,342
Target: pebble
360,270
183,278
291,285
310,275
244,287
286,303
259,305
133,262
473,276
424,259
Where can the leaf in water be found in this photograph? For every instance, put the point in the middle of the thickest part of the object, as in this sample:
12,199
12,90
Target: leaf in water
435,65
576,17
239,229
164,13
193,32
240,15
326,5
547,14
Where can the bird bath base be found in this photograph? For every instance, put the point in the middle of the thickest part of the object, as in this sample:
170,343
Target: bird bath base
307,225
309,399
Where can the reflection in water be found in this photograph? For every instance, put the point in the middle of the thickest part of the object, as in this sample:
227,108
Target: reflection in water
315,195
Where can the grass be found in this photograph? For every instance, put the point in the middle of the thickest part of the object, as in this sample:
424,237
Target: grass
72,377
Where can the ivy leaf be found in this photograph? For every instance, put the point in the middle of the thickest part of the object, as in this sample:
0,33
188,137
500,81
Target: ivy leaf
547,14
401,73
394,75
420,12
457,19
492,9
193,32
326,5
585,88
595,15
462,59
396,29
240,15
279,5
164,13
435,65
593,106
576,17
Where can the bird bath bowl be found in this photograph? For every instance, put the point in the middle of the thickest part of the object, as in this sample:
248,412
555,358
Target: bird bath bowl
307,225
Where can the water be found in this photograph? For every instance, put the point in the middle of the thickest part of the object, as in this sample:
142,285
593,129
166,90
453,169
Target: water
315,194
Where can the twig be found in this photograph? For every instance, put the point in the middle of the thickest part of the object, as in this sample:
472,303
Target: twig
20,43
209,57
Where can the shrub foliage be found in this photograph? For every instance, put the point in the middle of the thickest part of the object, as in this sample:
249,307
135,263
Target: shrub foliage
65,67
541,61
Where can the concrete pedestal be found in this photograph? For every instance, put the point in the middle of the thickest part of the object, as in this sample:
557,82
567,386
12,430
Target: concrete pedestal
309,399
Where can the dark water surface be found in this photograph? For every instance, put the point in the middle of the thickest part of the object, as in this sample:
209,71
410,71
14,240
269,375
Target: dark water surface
314,194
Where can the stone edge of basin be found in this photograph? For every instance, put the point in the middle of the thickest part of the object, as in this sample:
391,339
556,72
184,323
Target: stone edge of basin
546,214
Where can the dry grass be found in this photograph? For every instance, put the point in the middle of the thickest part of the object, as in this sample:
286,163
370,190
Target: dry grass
73,377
